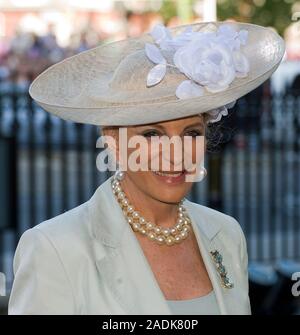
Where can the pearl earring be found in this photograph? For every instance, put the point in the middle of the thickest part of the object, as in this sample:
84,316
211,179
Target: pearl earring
120,174
202,173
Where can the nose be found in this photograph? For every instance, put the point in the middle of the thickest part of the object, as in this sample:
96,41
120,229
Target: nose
171,154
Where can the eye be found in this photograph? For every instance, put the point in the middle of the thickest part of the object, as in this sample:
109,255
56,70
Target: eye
194,133
150,133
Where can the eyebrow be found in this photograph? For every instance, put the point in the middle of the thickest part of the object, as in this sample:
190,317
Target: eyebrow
187,127
193,125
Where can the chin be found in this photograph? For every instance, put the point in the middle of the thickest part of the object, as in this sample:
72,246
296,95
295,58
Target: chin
169,189
169,198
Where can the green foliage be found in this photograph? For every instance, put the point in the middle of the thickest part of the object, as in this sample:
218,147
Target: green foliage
275,13
168,10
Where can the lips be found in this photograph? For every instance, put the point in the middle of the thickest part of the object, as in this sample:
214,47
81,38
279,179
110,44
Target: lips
170,178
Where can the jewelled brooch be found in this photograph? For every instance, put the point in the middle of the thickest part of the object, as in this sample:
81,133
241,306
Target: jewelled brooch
218,259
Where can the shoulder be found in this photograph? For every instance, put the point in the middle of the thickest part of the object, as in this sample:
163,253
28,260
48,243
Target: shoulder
48,251
77,223
66,223
67,234
52,249
70,225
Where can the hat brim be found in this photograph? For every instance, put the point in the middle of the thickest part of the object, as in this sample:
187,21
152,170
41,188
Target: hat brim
78,88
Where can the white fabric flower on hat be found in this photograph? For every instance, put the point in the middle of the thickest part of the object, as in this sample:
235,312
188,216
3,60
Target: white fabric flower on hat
206,63
163,37
210,60
216,114
233,39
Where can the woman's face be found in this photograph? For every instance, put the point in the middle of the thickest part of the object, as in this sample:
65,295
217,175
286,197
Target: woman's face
167,167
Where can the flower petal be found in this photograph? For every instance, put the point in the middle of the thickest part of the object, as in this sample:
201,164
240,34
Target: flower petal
228,73
230,104
216,88
154,54
243,36
217,114
160,32
167,45
156,74
188,89
227,31
241,63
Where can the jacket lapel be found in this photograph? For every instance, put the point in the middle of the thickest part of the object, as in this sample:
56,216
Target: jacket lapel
205,231
119,257
122,264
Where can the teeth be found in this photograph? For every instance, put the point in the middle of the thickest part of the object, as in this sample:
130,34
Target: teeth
168,174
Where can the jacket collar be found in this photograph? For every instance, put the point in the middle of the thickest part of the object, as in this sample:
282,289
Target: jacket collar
122,263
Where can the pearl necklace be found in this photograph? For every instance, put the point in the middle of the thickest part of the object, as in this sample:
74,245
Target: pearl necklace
168,236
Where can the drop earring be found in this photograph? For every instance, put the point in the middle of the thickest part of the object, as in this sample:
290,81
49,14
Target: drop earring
120,175
197,176
202,174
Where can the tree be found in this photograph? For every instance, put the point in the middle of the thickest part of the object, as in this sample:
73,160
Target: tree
275,13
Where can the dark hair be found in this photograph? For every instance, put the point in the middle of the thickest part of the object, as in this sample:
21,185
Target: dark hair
216,133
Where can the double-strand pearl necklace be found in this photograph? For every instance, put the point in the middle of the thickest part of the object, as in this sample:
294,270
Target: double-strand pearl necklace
168,236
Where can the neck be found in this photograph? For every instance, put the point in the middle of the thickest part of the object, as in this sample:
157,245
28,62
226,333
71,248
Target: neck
161,213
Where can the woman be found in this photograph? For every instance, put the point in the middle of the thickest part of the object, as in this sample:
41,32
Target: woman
138,246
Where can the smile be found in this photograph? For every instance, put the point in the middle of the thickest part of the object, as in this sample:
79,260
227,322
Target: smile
168,174
170,178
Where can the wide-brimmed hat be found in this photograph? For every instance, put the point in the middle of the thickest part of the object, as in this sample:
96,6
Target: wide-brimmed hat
166,74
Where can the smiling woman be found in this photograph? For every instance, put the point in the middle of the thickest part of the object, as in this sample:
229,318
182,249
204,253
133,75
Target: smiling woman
138,245
170,170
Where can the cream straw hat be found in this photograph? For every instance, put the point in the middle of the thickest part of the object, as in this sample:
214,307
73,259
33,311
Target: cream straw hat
162,75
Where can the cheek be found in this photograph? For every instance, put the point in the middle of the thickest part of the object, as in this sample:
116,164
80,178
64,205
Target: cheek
194,153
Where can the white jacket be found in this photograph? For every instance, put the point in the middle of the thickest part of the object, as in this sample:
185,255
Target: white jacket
88,261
